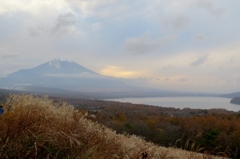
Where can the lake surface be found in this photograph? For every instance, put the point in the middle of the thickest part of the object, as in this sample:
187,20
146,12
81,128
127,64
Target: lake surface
183,102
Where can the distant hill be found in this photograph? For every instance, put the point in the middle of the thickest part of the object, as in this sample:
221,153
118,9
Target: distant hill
235,97
235,100
232,95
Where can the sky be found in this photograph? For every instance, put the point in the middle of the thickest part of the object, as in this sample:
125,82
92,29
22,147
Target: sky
191,45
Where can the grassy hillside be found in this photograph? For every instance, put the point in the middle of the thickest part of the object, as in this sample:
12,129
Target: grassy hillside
212,131
34,127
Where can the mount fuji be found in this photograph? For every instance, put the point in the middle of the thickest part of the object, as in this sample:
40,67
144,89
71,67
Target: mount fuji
62,74
64,77
54,67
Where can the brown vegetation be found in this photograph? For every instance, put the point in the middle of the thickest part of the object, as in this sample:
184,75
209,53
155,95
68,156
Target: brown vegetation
214,131
34,127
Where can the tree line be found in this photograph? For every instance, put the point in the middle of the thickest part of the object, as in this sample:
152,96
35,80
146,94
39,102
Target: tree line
213,131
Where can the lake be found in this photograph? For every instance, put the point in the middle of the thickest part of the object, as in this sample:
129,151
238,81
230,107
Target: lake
183,102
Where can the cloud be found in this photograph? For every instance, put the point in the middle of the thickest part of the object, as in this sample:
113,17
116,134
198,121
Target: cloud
170,35
199,61
107,9
166,79
143,45
200,37
79,75
31,6
178,22
210,7
96,26
183,80
8,54
64,23
33,31
238,80
168,67
136,81
118,72
38,30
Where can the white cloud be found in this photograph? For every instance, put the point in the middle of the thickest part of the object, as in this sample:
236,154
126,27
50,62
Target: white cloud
171,37
107,9
31,6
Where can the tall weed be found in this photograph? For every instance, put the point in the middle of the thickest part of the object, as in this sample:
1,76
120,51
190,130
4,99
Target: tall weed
37,127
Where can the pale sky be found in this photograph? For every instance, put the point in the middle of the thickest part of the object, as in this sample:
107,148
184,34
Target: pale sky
189,45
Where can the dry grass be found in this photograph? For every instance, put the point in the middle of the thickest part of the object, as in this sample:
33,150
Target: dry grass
34,127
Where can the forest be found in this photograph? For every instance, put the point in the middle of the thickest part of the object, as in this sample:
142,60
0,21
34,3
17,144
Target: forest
213,131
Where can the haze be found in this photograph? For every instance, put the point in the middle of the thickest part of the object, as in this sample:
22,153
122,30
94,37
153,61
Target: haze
188,45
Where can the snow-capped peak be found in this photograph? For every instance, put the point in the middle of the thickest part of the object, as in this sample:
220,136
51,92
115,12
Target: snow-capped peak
57,62
62,60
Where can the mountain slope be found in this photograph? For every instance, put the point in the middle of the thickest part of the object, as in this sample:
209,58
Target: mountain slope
235,100
56,66
63,74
